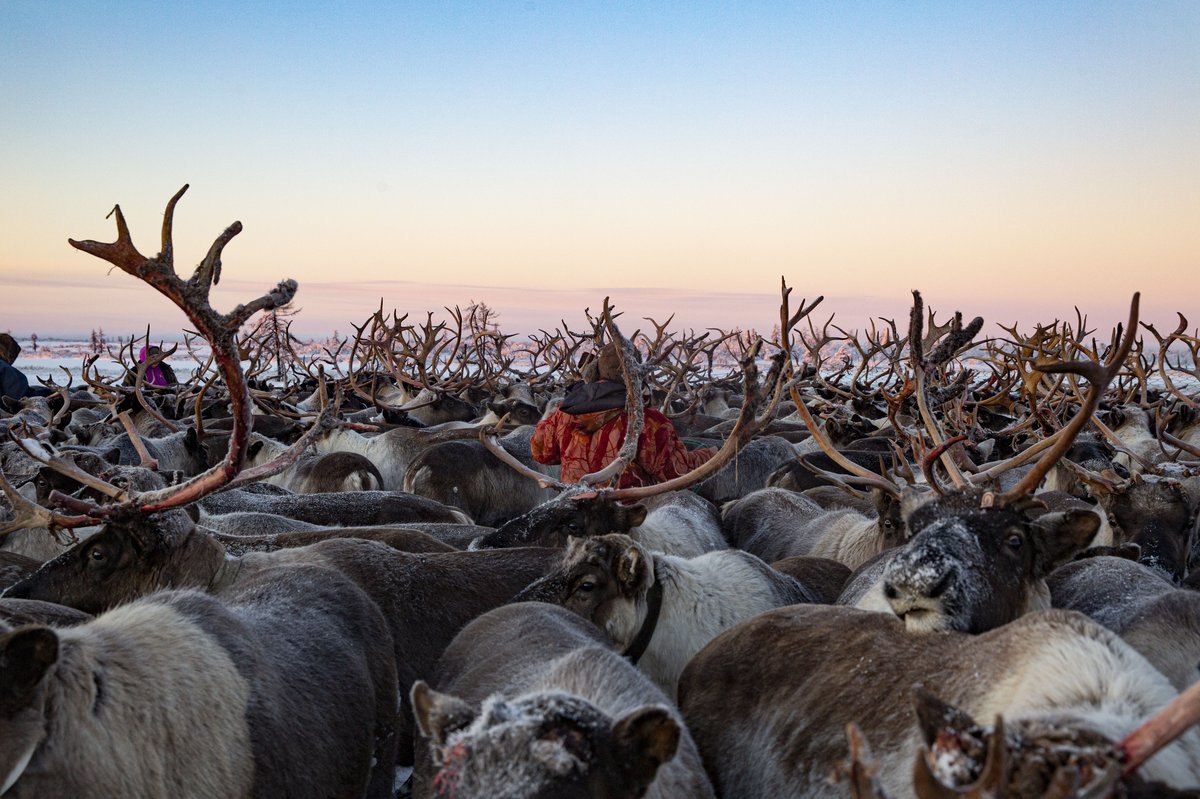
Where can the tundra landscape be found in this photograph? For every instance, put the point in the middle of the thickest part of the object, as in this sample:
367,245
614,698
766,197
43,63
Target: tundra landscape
919,560
669,400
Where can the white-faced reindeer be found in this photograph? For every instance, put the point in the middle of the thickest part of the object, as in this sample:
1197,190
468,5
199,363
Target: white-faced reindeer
975,558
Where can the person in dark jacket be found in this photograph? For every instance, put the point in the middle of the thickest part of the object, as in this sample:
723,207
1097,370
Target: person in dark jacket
13,384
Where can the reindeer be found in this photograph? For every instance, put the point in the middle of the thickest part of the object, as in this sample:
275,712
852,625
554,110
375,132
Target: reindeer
342,508
969,568
532,701
137,557
464,475
661,609
1156,513
774,523
316,474
1051,674
1157,619
977,559
392,451
679,523
748,471
273,691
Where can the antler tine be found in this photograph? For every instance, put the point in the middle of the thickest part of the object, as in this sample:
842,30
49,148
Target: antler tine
860,769
487,437
845,482
827,447
63,392
788,321
1098,376
931,456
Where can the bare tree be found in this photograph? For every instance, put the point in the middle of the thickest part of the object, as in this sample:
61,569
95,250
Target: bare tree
273,332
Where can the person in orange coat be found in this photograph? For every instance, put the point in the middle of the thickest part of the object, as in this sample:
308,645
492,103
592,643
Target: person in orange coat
587,431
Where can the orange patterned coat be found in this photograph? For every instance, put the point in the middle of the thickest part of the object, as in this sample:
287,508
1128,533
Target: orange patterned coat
588,442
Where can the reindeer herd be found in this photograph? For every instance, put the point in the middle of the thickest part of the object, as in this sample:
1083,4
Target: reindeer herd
944,565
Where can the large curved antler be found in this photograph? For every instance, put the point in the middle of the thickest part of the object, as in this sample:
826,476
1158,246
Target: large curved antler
192,297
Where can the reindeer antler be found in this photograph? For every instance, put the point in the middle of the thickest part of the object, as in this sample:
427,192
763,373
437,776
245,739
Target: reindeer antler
192,297
1098,376
635,412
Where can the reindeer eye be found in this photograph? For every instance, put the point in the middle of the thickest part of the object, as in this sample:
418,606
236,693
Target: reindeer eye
1014,541
587,586
98,554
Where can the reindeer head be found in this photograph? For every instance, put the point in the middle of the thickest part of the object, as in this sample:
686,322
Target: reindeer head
1028,757
543,746
1156,514
603,579
973,568
128,558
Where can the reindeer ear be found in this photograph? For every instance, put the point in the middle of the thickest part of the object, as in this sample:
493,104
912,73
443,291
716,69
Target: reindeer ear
26,654
934,715
438,715
884,502
636,514
912,500
1058,536
630,567
643,741
255,447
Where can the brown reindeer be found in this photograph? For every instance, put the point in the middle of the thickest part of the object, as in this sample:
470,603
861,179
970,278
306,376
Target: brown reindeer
768,701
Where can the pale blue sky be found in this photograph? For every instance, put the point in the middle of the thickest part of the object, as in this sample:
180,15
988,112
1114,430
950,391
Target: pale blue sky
862,149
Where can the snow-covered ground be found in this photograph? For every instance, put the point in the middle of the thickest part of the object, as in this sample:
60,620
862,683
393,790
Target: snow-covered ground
51,357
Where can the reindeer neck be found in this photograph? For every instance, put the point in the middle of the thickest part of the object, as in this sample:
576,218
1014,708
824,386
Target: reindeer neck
215,567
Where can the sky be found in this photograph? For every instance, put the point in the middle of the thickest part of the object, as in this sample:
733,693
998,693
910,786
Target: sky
1009,159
